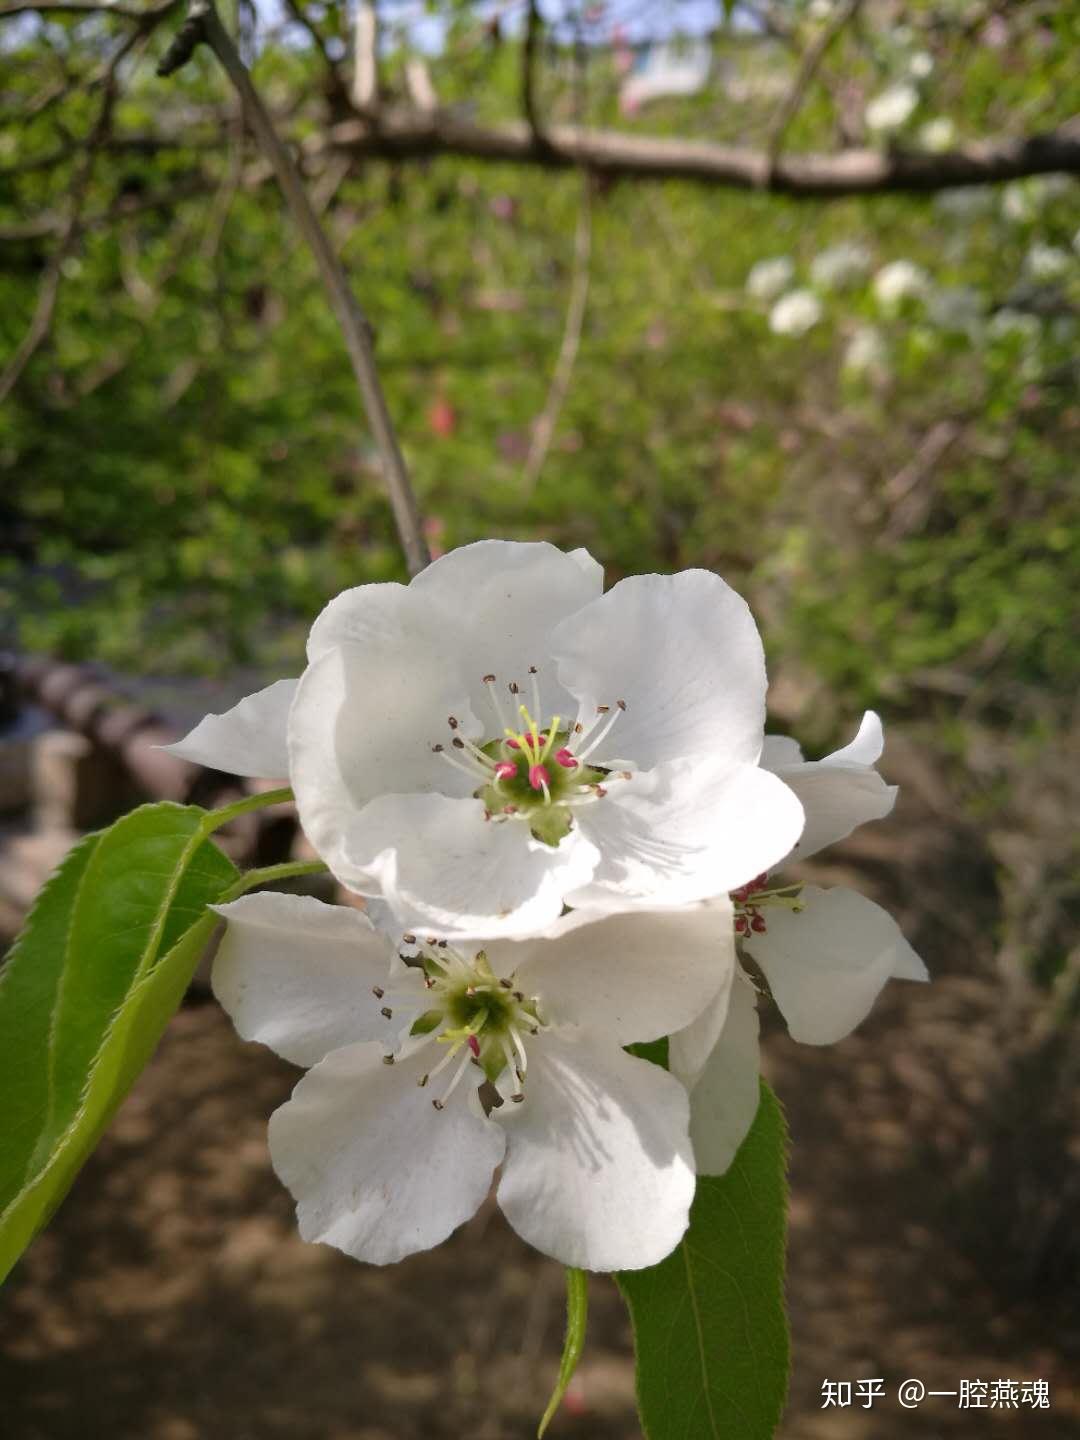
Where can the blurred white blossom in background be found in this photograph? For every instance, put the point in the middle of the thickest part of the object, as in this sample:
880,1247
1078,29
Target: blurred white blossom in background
839,265
795,313
892,108
898,281
769,278
938,135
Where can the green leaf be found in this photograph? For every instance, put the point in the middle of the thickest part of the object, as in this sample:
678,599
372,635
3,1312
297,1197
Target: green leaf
28,984
710,1327
577,1312
81,997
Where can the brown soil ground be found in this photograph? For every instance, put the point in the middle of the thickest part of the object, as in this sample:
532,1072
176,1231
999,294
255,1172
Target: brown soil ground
932,1235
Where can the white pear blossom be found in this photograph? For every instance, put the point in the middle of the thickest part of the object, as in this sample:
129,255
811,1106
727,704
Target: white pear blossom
795,313
498,738
1047,262
1008,324
920,65
866,353
840,265
898,281
431,1067
825,953
770,278
893,108
937,135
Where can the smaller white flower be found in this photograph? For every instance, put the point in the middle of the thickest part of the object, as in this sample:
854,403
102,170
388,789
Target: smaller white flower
958,308
1008,324
1047,262
866,353
826,954
840,265
921,65
1019,202
898,281
432,1068
769,278
893,108
937,135
820,9
795,313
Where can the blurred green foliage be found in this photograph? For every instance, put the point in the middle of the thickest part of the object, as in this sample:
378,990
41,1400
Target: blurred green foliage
186,476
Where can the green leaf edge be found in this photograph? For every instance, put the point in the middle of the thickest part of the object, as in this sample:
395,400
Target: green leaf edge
768,1104
577,1314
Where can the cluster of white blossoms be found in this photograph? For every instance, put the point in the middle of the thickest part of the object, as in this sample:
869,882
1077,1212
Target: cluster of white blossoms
563,815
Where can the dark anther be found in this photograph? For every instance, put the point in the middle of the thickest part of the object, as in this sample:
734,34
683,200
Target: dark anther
387,1012
378,991
489,679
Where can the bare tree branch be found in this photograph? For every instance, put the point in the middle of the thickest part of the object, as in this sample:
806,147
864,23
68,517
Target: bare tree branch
529,51
365,87
139,13
619,155
204,25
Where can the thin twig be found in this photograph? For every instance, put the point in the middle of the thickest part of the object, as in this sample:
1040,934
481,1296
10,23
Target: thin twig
529,51
203,24
544,429
41,321
808,67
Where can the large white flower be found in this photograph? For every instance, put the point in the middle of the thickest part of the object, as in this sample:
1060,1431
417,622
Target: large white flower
431,1069
499,737
825,953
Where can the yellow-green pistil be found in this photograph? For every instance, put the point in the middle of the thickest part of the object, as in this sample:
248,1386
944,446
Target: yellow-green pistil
533,772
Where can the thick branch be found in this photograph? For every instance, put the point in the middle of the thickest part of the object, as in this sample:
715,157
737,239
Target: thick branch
619,155
204,25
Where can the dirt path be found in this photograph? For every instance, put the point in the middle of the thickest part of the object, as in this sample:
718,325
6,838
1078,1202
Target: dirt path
172,1299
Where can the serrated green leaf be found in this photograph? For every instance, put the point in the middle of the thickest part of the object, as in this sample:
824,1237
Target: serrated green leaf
126,1047
75,987
710,1327
577,1314
148,879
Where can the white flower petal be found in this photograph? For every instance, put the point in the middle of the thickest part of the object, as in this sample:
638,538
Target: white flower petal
634,976
297,975
440,865
599,1172
249,739
725,1098
686,831
375,1169
504,599
690,1048
838,793
826,964
364,721
684,653
779,751
867,746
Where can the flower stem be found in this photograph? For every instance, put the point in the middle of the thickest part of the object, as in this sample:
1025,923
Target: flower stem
270,873
216,818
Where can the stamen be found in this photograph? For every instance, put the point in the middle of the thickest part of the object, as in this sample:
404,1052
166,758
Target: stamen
496,701
540,779
535,688
567,759
465,1061
519,1045
467,767
605,730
